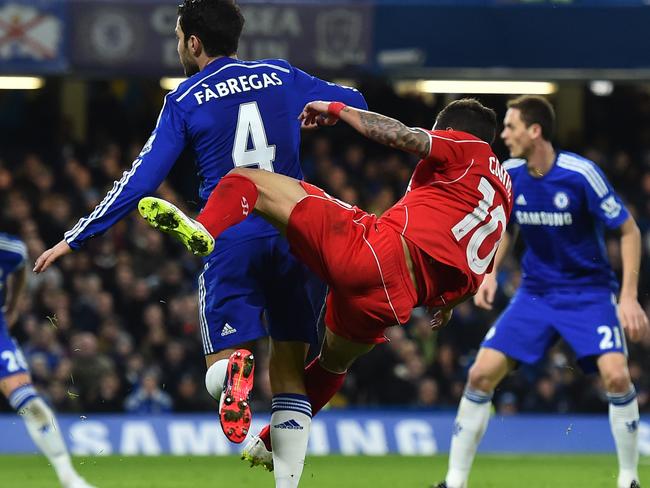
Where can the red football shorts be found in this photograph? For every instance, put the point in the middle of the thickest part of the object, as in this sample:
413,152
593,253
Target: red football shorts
360,259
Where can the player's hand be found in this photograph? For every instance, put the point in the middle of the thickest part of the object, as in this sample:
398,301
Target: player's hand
441,318
633,318
484,297
46,259
315,115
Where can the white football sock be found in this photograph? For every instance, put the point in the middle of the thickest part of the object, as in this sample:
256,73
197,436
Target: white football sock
214,378
46,434
471,421
290,423
624,421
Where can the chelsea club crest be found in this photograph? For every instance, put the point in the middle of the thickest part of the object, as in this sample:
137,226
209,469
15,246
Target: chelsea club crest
561,200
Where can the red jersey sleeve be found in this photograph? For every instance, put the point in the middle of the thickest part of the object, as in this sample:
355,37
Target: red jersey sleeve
444,148
449,157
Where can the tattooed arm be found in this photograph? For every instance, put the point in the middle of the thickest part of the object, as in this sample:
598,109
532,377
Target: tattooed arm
377,127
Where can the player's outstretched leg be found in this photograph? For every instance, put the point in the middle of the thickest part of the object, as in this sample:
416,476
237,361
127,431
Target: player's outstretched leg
238,193
168,218
42,427
234,407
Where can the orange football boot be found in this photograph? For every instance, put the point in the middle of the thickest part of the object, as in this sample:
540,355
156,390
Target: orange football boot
234,409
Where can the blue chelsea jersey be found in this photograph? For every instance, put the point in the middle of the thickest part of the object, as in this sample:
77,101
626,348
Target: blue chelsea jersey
13,255
562,218
233,113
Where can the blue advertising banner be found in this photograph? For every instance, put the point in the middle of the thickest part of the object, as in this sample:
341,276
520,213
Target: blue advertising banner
528,3
136,37
32,36
531,36
332,432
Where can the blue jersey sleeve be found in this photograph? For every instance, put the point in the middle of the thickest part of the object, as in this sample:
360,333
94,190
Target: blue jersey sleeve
604,204
146,174
13,254
313,88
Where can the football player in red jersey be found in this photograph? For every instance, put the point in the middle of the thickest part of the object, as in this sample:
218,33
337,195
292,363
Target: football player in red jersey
432,248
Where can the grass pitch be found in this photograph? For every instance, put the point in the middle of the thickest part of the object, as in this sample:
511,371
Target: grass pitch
588,471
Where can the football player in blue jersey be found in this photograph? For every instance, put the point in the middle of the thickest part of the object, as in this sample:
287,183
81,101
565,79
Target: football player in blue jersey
15,381
234,113
563,205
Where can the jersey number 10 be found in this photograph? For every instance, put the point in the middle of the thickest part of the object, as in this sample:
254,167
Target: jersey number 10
251,127
472,220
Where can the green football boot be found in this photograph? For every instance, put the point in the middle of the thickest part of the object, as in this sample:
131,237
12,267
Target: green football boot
168,218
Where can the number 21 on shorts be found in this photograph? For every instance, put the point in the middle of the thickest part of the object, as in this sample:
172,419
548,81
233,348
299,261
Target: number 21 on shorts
611,337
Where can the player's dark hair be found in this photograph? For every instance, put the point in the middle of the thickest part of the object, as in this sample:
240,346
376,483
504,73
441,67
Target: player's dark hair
536,110
217,23
469,115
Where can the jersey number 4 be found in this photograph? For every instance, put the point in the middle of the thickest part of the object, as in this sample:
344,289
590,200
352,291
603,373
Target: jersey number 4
251,147
473,220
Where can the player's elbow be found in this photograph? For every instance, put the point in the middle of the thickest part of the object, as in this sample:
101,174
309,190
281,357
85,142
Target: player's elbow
630,228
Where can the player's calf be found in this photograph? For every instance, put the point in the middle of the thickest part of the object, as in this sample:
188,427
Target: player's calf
243,190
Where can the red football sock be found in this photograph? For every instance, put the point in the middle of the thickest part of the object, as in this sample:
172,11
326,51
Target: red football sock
232,200
321,386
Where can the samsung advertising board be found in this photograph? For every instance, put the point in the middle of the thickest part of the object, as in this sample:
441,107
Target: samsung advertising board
333,432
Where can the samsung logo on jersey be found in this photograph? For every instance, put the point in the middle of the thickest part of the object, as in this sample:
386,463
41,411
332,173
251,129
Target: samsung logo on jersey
551,219
240,84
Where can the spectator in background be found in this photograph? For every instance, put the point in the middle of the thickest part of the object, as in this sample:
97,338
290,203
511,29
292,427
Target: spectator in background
190,397
109,397
88,365
148,398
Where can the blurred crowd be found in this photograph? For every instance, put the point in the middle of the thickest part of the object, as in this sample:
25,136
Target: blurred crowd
114,326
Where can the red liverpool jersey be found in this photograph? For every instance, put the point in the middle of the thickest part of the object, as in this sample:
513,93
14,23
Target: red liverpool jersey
456,208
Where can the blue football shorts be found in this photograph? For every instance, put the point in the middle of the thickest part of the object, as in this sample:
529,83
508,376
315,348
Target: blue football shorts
12,360
532,323
255,289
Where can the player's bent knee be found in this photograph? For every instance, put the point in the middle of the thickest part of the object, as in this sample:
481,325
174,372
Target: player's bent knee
338,354
483,379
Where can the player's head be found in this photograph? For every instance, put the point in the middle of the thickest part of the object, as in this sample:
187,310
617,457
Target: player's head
469,115
207,28
530,120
